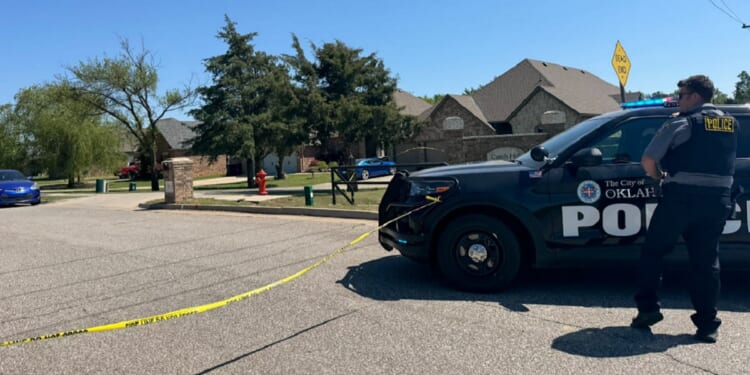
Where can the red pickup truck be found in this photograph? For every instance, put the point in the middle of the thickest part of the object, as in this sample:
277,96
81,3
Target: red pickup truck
133,170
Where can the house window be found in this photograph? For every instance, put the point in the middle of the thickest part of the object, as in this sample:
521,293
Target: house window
453,123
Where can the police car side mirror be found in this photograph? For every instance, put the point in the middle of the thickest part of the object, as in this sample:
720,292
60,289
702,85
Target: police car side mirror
539,153
587,157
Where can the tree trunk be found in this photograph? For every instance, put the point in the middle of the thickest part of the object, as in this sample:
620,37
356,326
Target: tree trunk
154,172
250,164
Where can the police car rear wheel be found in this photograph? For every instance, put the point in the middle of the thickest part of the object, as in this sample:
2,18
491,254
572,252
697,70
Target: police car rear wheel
478,253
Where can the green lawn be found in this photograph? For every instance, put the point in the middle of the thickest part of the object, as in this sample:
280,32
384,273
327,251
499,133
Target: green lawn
291,180
365,200
89,184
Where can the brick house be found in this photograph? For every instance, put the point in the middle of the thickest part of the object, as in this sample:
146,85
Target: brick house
174,140
516,111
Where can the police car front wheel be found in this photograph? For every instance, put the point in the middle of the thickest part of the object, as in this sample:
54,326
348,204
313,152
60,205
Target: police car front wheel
478,253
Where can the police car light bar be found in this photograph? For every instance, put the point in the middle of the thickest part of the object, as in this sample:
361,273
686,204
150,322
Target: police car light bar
658,102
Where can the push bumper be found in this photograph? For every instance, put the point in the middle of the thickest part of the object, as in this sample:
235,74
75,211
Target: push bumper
413,246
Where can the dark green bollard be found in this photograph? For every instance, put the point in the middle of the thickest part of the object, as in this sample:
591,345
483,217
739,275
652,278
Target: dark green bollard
101,186
132,186
309,199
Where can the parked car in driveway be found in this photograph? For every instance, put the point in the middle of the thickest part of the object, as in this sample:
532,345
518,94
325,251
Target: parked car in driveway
375,167
133,170
16,188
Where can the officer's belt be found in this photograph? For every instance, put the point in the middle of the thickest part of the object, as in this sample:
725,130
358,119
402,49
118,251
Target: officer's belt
675,188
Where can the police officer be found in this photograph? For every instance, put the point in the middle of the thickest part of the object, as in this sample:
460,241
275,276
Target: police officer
693,157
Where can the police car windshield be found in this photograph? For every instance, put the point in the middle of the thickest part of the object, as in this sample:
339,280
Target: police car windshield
561,141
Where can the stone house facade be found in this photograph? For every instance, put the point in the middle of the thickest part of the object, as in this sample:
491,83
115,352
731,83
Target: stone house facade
174,141
516,111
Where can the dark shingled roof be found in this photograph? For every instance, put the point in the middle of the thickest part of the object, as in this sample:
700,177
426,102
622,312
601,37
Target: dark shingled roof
409,104
178,134
470,104
465,101
577,88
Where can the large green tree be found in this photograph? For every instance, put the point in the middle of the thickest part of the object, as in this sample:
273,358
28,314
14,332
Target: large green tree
12,146
742,88
65,137
347,94
245,112
124,88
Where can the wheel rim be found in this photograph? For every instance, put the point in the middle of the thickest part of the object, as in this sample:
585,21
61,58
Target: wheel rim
365,174
392,170
478,253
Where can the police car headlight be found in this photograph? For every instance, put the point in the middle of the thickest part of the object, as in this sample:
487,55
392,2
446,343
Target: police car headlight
34,187
423,188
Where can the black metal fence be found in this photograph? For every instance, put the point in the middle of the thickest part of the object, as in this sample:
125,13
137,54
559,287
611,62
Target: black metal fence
347,175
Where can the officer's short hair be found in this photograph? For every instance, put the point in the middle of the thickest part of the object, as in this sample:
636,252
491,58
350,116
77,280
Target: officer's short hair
699,84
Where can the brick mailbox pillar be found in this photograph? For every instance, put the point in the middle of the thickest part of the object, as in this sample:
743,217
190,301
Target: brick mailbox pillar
178,181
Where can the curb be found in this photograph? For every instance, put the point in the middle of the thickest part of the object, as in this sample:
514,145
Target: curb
320,212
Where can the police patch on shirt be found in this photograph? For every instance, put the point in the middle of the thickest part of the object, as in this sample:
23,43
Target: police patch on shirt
719,124
589,191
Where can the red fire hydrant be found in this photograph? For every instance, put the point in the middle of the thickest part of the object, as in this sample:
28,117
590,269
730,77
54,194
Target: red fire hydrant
260,179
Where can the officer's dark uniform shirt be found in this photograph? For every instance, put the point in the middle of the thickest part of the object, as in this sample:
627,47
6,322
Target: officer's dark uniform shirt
704,169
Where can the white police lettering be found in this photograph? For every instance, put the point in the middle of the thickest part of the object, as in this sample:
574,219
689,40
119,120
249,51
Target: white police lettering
576,217
631,224
732,226
628,189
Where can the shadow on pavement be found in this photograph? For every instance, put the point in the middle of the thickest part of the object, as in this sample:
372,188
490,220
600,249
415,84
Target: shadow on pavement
396,278
612,342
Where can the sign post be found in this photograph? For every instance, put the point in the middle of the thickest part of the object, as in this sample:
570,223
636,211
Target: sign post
621,63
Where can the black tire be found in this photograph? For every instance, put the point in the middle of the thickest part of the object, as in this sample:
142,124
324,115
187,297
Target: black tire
478,253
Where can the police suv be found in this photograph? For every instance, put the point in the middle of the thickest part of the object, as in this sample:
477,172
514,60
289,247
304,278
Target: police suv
581,196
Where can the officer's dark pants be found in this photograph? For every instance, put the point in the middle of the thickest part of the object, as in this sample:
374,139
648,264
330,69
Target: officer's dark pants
698,214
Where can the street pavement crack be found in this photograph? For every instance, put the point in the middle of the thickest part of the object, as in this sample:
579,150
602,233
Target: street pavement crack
270,345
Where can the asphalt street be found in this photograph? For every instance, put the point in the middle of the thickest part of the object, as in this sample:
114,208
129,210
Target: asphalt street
96,260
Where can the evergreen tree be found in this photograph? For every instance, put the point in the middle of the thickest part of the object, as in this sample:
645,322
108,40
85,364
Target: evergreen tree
245,112
742,88
346,94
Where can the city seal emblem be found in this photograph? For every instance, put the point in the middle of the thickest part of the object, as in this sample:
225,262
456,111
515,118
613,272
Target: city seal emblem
589,191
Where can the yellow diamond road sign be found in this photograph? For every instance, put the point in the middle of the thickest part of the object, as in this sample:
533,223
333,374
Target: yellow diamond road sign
621,63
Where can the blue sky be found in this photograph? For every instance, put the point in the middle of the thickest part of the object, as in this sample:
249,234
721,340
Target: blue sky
432,47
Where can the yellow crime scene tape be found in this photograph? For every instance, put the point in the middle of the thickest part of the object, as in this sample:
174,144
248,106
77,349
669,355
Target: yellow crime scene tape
215,305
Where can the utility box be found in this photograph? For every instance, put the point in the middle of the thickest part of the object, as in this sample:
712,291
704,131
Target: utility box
178,180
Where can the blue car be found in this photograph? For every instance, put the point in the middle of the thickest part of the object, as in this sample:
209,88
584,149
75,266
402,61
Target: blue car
376,167
17,188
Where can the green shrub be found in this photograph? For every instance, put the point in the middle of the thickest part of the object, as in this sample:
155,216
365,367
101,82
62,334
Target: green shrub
322,166
333,164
